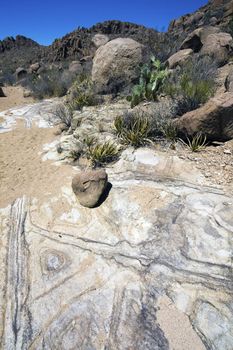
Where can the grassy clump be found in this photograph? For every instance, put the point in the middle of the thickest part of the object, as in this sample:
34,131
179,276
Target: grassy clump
63,115
133,130
50,83
151,81
197,143
192,85
82,93
103,153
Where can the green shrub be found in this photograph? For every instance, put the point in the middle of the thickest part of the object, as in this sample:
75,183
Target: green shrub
169,131
50,83
133,130
82,93
192,85
196,143
151,81
100,154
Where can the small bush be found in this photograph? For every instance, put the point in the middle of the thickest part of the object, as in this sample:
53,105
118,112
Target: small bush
50,83
82,93
63,114
192,85
169,131
100,154
133,130
196,143
151,81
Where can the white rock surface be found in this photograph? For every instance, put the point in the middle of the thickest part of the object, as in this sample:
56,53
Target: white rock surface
158,249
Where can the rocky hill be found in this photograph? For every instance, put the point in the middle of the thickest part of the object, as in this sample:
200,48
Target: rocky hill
21,51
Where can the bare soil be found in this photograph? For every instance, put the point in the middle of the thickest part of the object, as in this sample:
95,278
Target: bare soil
14,97
22,171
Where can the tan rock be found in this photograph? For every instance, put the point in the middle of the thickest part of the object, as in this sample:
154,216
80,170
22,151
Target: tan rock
88,186
116,64
214,119
179,58
100,40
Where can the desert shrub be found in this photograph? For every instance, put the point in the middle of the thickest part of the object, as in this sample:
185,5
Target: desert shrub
82,93
63,114
133,129
169,131
193,84
102,153
151,81
195,143
52,82
229,27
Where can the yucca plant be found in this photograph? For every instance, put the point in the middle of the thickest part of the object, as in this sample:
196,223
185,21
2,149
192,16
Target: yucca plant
118,125
169,131
196,143
136,133
100,154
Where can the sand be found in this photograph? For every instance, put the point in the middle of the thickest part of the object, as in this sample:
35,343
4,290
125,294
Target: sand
14,97
22,171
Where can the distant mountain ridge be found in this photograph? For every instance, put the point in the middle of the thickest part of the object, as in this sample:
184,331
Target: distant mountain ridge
22,51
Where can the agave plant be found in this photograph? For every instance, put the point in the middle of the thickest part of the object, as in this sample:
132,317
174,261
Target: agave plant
100,154
196,143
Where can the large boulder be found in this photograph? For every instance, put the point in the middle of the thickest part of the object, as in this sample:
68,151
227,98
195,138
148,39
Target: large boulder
100,40
116,65
196,39
88,186
210,41
214,119
179,58
218,45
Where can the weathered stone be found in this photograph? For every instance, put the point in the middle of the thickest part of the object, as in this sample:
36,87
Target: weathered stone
179,58
116,65
100,40
34,67
214,119
198,38
88,186
219,46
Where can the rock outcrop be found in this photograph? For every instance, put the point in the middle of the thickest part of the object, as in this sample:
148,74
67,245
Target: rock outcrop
116,65
214,119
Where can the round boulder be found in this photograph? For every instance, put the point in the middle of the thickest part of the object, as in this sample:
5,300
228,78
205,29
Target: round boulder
88,186
116,65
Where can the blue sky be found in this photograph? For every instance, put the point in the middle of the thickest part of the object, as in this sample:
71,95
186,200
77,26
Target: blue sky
46,20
